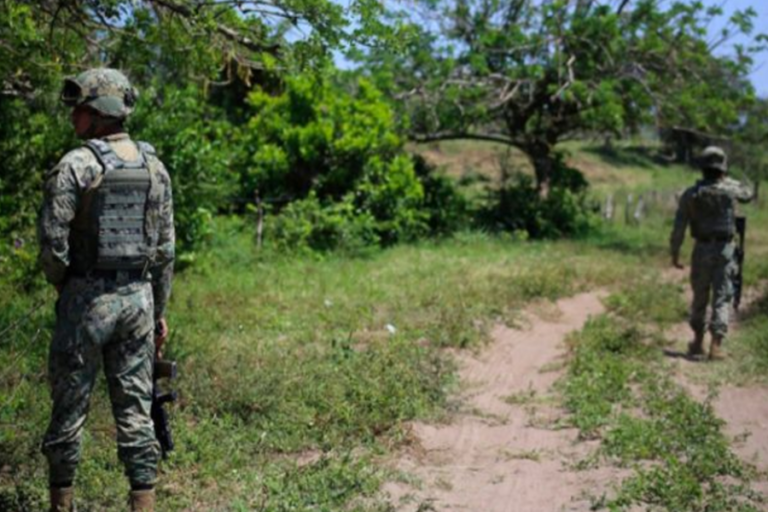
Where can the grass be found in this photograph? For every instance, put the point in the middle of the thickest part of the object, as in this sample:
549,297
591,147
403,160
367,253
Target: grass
298,374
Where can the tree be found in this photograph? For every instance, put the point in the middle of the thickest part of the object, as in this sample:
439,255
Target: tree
748,148
181,39
532,73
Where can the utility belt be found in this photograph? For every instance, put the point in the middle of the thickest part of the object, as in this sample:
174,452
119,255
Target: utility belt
116,276
714,239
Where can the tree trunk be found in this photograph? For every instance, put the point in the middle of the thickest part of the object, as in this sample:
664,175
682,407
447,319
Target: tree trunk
543,161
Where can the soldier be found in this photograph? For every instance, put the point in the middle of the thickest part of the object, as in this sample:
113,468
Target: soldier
107,245
710,209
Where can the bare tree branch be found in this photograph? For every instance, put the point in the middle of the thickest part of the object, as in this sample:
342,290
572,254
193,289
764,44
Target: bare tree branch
222,29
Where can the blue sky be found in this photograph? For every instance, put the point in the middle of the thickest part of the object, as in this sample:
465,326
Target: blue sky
760,72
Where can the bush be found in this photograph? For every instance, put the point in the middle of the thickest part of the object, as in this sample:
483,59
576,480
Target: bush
307,224
518,206
194,140
446,209
341,149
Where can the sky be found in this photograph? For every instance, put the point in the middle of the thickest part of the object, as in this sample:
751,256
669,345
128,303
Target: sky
760,73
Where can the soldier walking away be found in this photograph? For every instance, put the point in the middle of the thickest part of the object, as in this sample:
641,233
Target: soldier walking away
107,245
709,207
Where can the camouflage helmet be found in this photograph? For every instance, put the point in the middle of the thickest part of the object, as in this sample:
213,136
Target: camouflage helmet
714,157
106,90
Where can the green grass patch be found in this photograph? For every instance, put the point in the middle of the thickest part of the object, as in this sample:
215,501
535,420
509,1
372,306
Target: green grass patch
649,301
600,373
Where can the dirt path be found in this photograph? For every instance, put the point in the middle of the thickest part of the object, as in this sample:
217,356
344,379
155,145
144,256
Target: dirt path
499,454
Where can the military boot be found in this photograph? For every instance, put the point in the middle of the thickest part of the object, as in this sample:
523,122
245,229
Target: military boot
716,349
62,499
696,347
143,501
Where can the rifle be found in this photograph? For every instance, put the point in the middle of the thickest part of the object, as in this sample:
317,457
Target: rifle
738,281
162,370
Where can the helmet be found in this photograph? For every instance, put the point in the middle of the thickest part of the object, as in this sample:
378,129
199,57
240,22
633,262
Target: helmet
106,90
714,158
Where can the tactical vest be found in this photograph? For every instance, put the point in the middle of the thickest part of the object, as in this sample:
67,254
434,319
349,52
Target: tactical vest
713,212
116,225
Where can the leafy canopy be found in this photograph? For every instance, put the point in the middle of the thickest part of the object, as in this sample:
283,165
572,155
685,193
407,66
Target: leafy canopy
530,74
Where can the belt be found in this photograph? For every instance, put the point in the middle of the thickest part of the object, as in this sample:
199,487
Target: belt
124,276
715,239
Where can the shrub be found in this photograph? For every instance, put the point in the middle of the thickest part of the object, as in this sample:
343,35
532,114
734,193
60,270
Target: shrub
307,224
518,206
342,149
445,208
195,142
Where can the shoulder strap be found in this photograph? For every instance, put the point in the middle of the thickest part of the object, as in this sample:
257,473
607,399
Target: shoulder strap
146,148
104,154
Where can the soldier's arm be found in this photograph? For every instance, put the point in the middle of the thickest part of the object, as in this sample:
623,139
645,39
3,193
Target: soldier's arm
745,192
682,219
162,271
60,201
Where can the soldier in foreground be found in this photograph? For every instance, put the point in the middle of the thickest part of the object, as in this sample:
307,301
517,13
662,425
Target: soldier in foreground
107,245
710,208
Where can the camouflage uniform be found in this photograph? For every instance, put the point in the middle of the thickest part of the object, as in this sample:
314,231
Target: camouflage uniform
713,265
102,316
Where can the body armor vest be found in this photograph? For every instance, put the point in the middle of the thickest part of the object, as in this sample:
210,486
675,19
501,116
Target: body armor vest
714,213
115,228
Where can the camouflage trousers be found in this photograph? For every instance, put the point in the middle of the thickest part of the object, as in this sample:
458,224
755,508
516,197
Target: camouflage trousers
101,322
713,268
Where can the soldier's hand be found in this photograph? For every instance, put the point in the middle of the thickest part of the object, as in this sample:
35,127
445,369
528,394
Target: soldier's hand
161,334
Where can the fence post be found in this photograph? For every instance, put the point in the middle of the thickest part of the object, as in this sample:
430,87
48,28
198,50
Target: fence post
628,210
639,210
609,208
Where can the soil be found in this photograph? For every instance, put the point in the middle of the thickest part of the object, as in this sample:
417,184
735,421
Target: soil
504,450
500,454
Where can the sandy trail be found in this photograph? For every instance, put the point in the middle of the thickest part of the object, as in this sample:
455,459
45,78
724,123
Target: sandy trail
498,456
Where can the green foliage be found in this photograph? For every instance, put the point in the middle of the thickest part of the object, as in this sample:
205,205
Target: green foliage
490,71
194,141
31,140
308,225
342,150
518,205
447,210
